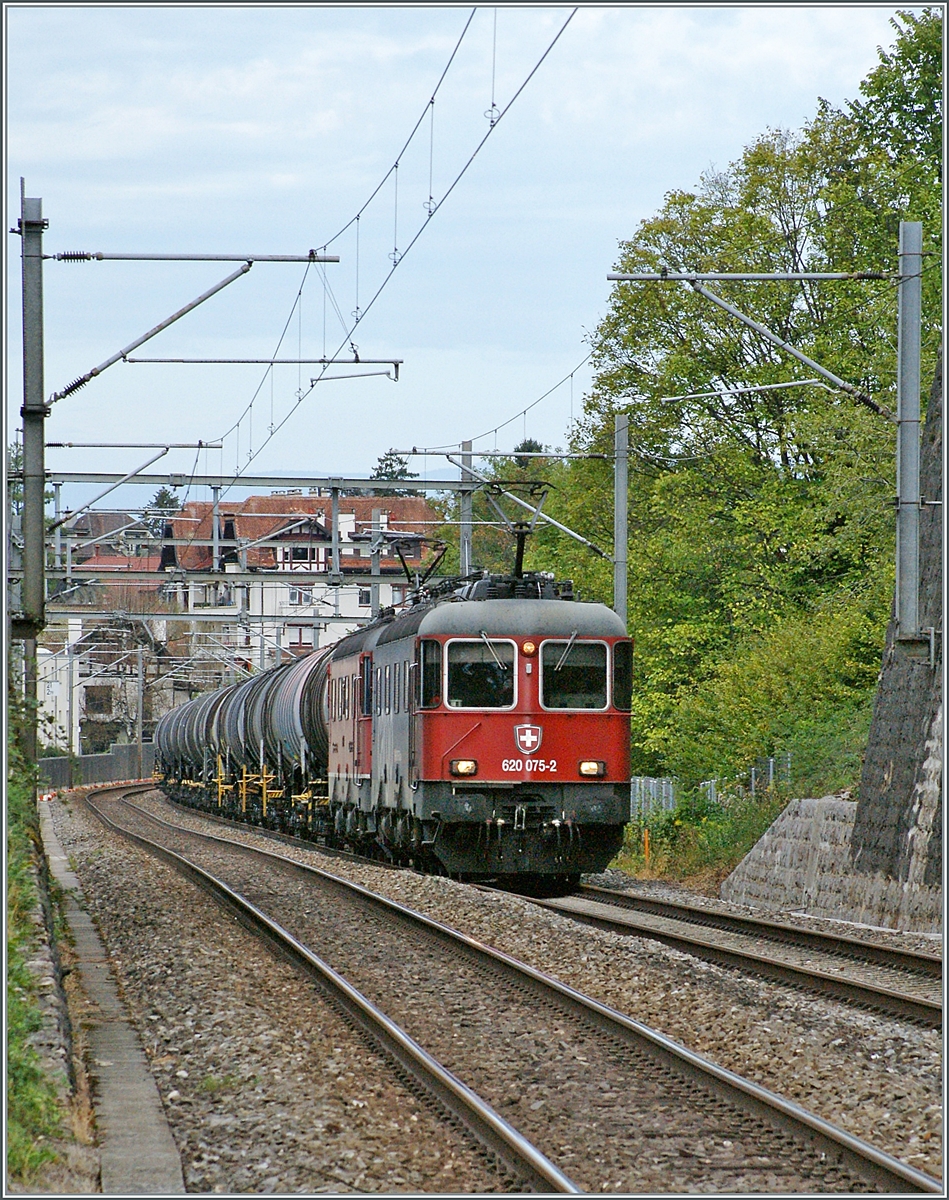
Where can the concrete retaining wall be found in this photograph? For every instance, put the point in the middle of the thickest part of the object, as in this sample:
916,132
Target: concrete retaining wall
878,861
120,763
803,863
898,827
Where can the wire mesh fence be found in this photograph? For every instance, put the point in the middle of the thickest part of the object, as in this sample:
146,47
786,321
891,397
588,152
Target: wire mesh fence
648,794
765,777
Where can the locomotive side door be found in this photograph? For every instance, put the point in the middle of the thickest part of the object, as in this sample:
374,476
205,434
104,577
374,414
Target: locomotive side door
363,761
426,693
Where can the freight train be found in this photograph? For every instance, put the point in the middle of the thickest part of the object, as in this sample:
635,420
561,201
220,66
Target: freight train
482,732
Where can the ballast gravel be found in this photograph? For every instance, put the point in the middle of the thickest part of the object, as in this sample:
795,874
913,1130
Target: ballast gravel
654,889
266,1088
602,1108
874,1076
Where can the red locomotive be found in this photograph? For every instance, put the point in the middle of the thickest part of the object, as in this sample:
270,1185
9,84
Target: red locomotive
489,733
483,732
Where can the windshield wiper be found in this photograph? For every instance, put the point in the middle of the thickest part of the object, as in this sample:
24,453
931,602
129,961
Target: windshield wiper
563,657
484,638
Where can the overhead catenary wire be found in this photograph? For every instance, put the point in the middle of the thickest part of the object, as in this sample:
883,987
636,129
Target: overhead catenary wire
395,220
495,429
252,454
355,312
430,202
263,379
492,113
354,220
408,141
184,500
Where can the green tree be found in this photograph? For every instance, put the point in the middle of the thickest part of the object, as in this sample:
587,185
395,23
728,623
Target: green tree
761,526
527,446
901,111
392,465
167,504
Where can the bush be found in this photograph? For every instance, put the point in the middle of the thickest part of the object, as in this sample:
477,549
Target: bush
806,686
34,1115
699,841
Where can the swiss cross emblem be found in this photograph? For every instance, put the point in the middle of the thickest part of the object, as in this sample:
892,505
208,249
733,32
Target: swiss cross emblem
528,738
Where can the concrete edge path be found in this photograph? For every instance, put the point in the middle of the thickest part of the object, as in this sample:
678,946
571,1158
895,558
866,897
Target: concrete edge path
137,1151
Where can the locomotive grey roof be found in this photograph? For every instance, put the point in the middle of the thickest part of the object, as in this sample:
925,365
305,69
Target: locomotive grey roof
522,618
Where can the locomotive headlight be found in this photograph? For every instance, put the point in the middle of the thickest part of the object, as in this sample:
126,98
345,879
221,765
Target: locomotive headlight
591,766
529,648
463,766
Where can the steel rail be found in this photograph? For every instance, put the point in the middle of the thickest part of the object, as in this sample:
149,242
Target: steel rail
779,931
873,996
478,1117
874,1166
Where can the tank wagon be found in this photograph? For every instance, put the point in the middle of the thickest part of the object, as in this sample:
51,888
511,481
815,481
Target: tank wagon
483,732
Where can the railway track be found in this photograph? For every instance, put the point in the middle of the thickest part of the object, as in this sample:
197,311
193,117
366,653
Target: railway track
615,1105
458,1102
885,979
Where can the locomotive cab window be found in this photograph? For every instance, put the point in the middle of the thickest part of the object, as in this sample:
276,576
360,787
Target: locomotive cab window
573,674
430,674
623,675
481,674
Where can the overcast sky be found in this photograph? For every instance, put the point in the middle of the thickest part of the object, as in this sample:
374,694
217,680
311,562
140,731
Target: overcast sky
263,130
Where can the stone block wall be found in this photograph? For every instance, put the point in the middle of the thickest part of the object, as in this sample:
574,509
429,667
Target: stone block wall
898,824
803,864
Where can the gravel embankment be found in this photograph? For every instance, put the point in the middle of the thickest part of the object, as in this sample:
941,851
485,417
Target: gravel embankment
607,1113
265,1086
654,889
810,960
874,1076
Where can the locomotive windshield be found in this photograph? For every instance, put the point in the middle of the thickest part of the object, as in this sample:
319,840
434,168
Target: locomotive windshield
573,674
480,674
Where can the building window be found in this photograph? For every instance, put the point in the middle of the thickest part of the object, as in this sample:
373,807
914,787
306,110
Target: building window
365,597
301,596
300,636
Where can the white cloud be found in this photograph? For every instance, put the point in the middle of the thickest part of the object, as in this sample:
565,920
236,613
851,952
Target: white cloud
255,128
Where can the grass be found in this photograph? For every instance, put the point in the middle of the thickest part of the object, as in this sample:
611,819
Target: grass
34,1113
214,1084
698,843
